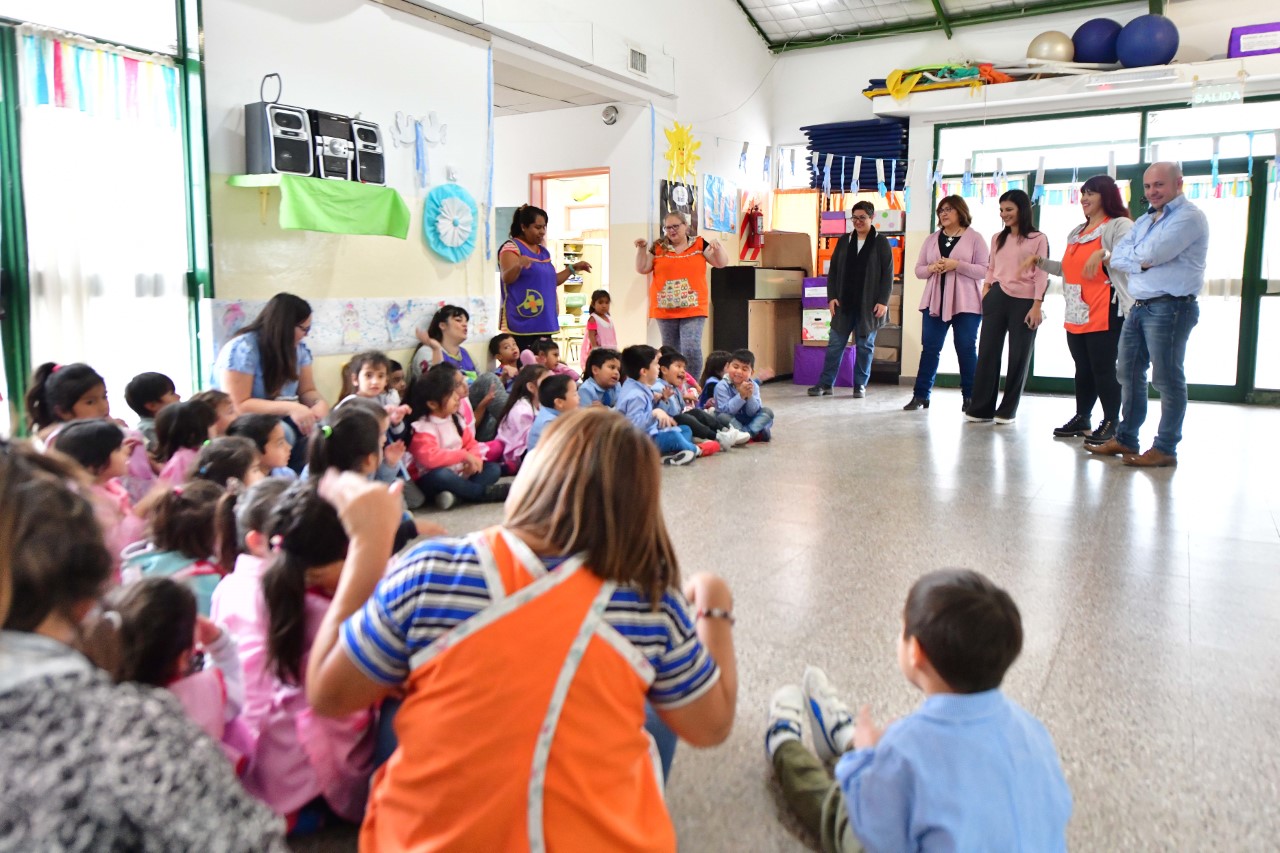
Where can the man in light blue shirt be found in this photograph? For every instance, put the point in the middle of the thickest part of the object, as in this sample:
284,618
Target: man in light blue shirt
1164,255
968,770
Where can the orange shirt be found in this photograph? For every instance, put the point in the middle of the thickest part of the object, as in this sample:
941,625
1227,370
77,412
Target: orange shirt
678,288
1088,299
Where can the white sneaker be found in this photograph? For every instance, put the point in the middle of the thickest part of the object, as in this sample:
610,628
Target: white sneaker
832,721
684,457
786,716
741,437
445,500
725,439
1000,419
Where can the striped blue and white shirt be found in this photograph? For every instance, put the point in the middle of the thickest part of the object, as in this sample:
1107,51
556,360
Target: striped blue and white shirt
440,583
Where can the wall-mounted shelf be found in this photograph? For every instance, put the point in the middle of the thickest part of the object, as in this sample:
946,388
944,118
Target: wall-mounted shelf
334,207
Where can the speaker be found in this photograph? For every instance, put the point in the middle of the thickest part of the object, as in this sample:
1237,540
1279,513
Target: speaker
277,138
371,164
334,151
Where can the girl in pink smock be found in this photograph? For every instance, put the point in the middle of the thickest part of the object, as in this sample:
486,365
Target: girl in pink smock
181,430
517,416
101,449
600,330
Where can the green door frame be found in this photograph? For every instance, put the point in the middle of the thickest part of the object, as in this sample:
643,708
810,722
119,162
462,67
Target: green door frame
1253,287
16,297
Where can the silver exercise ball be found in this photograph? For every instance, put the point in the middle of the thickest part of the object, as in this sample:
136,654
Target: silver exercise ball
1051,46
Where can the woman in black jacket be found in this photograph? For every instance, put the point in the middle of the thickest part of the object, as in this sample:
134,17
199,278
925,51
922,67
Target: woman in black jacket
859,282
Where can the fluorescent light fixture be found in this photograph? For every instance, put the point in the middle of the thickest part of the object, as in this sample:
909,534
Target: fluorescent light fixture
1138,77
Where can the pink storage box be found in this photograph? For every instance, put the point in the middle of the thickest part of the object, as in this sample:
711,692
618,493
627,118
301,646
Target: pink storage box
1254,40
833,224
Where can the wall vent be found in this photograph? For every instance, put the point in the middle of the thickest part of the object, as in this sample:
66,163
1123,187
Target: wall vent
638,62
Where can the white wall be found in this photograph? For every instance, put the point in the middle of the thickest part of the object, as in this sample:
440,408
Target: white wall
346,56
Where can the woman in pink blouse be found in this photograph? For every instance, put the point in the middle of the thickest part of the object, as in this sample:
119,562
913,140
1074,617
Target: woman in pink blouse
1011,301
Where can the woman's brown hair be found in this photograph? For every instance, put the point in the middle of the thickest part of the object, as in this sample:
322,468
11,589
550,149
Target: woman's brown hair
593,486
277,347
52,556
957,204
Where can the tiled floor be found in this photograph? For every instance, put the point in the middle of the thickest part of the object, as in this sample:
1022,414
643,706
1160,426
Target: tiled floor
1150,600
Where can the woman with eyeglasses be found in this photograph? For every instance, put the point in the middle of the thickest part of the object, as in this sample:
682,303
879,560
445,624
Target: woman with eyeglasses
266,370
953,262
1011,300
859,282
1097,301
679,294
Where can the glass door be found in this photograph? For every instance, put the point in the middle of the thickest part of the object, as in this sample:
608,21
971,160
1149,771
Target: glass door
1267,370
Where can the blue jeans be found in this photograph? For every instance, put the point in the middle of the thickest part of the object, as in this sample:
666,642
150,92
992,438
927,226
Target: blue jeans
933,334
471,488
674,439
663,738
757,423
1155,334
842,326
685,335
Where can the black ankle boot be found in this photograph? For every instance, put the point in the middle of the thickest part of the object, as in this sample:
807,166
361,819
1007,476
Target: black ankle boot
964,405
916,403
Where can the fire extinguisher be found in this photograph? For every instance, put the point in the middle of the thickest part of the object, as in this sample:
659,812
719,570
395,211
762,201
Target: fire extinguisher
755,227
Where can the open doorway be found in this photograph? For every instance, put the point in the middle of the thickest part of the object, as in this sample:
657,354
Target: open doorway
577,206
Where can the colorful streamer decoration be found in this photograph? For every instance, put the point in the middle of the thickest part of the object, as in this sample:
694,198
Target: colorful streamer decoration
884,191
826,176
1038,192
906,185
966,180
856,184
742,158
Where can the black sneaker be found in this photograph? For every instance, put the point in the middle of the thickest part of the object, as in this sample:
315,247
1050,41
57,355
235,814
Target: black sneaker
1104,433
497,493
820,391
859,391
1078,425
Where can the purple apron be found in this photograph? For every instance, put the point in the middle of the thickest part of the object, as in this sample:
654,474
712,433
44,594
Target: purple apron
529,304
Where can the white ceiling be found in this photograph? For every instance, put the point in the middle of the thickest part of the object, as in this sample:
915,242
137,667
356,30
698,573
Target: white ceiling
517,90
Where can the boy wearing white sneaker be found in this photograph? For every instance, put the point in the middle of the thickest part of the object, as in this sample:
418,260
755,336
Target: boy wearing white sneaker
968,770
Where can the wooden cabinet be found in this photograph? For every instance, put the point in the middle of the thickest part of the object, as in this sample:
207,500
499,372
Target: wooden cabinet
773,330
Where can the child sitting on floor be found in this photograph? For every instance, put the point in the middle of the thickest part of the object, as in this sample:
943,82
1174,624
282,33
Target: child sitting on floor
100,447
712,369
227,459
517,416
159,630
147,394
220,402
604,374
738,395
448,462
181,430
556,395
969,770
546,352
268,435
635,401
183,541
506,354
704,425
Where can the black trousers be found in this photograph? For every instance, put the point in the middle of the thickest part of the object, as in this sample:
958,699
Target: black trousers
1095,356
1002,316
700,422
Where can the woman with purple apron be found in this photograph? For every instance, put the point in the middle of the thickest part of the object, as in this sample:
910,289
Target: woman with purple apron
530,304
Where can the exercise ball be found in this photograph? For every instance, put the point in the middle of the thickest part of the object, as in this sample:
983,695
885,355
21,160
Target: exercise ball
1095,40
1147,40
1051,46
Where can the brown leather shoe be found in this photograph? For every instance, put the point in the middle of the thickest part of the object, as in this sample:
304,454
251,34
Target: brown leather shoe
1151,459
1111,448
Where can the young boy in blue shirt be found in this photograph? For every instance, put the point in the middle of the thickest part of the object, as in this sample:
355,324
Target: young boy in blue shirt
635,401
604,374
738,396
968,770
669,395
556,395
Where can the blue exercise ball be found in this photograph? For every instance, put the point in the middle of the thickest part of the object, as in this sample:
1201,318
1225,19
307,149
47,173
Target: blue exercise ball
1095,41
1147,40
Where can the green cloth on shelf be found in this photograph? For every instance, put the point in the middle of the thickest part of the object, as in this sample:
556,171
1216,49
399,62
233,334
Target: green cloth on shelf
342,207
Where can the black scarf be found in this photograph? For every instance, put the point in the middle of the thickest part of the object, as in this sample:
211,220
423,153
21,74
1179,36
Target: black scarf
855,274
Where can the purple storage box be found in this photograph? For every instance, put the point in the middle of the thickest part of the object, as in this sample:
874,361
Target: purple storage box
808,366
1254,40
814,294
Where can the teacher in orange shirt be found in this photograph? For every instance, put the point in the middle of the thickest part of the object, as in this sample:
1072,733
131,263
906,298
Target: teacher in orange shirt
679,295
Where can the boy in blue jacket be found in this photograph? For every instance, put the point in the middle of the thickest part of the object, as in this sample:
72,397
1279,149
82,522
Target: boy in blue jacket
738,396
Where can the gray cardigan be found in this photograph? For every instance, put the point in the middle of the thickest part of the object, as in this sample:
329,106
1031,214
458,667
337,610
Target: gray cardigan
1112,231
876,285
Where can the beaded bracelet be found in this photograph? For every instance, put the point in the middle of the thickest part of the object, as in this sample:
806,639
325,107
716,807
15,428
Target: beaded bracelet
716,613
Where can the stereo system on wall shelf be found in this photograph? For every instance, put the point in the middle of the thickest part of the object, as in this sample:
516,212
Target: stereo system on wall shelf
281,139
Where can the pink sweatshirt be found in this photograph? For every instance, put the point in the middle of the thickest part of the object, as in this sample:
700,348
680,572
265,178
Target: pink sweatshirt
120,527
513,432
179,467
293,754
1005,266
436,443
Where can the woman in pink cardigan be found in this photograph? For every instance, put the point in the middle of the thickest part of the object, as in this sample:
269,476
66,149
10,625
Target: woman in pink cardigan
953,262
1010,306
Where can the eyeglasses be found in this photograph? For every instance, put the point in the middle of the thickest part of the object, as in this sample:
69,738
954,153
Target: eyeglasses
862,219
672,227
943,210
306,330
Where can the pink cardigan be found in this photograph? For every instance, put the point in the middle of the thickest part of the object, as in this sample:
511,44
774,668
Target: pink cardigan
120,527
179,467
513,432
1005,266
963,291
293,754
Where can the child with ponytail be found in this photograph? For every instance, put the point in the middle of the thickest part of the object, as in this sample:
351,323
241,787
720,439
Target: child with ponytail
159,630
183,540
301,765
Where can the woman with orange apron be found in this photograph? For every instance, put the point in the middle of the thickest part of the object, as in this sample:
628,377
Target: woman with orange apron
1096,302
526,654
679,296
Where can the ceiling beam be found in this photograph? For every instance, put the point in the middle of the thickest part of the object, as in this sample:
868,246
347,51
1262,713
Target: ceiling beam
942,16
993,16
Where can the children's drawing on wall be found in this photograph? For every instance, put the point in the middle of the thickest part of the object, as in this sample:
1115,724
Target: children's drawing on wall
674,196
720,204
344,326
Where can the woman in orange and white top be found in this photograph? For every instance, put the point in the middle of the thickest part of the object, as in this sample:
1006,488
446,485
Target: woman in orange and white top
526,654
679,296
